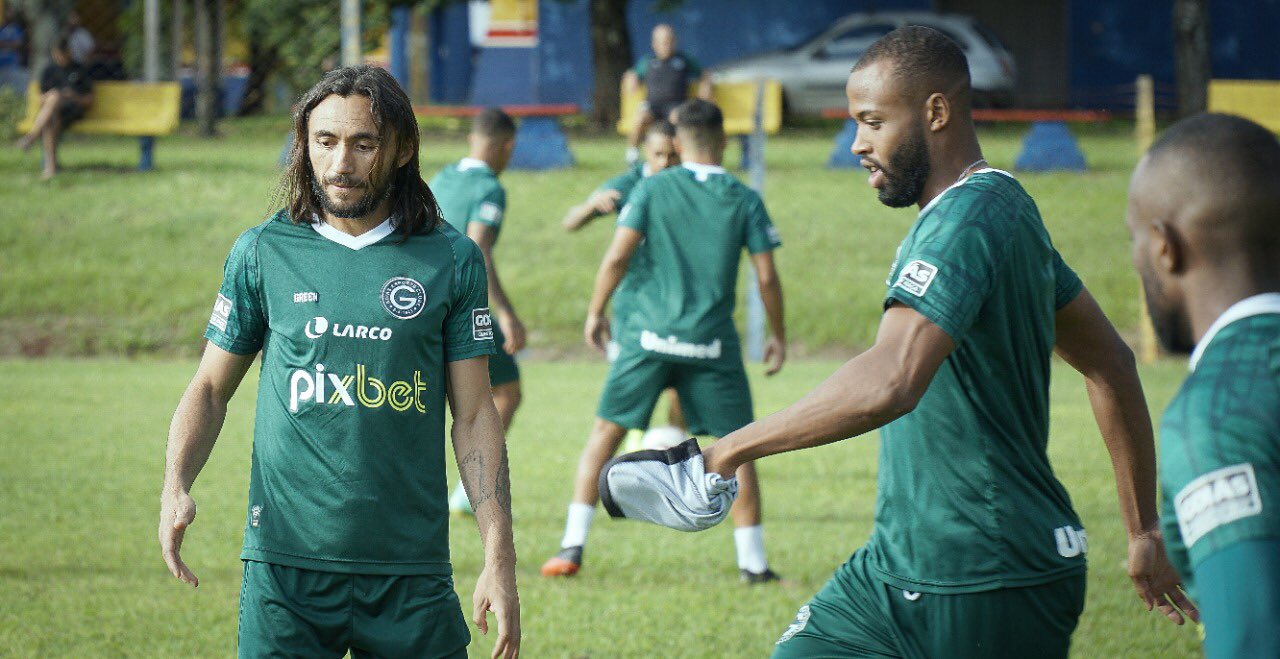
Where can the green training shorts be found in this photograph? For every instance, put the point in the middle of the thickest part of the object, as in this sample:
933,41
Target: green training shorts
292,612
502,367
714,395
857,615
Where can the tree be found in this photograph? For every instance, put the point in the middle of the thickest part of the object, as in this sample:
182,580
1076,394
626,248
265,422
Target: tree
1192,66
210,18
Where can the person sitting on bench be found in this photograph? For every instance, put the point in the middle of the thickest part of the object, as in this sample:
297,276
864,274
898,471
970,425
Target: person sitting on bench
66,92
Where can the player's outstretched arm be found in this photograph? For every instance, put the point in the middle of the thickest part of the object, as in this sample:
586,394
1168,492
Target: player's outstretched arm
195,427
1091,345
481,451
601,202
868,391
612,269
770,285
508,321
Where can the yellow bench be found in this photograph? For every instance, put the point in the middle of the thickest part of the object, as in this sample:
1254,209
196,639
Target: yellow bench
136,109
1258,100
737,100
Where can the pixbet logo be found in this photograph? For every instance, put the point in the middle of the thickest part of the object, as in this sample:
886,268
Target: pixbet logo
324,388
318,326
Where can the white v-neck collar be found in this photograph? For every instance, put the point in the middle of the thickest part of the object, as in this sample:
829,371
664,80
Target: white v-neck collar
959,183
355,242
472,163
1250,306
702,171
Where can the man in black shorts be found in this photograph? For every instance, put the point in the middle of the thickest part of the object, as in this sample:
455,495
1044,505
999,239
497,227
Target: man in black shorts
666,75
66,94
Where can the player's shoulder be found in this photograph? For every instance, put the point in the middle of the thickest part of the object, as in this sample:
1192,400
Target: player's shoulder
1248,348
991,197
462,248
278,224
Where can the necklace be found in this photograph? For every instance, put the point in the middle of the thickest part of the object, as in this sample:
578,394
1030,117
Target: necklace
969,170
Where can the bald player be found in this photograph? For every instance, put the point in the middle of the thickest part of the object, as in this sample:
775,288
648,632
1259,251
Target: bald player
666,74
1204,216
976,550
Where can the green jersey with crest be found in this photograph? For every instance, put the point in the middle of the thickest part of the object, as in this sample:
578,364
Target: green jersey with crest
356,334
966,499
1220,440
681,282
468,191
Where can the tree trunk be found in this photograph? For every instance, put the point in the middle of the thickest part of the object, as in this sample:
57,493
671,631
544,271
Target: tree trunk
1192,65
611,52
263,60
208,18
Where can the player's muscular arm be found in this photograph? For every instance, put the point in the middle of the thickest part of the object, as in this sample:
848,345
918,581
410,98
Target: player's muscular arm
770,285
192,433
508,321
870,390
612,269
601,202
1089,343
481,451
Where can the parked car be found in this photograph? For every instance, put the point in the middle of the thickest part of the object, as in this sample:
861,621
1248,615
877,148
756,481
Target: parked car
813,74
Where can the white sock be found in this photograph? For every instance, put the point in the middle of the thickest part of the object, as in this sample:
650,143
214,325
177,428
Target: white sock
750,543
576,527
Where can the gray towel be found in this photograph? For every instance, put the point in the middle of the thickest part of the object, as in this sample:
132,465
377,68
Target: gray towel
671,488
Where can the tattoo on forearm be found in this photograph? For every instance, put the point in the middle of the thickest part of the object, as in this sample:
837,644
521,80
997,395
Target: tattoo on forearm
480,489
471,469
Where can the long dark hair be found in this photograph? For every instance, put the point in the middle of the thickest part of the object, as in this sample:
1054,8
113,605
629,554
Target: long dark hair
412,203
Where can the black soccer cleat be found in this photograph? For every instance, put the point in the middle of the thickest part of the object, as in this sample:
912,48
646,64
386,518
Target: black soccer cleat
752,578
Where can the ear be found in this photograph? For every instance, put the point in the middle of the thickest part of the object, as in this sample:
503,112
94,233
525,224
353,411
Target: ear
937,110
677,145
509,145
1169,247
406,154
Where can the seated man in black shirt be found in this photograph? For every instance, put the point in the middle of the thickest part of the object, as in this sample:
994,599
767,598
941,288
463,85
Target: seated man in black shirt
666,75
66,92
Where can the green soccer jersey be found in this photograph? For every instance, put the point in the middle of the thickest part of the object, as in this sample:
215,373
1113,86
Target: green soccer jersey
355,333
625,182
1220,440
468,191
681,282
966,499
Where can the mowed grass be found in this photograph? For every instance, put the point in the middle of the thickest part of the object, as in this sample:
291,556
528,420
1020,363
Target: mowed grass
81,458
109,261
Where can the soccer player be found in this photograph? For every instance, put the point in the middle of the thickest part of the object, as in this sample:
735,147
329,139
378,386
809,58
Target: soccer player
659,154
368,311
976,550
474,202
1204,215
675,255
666,74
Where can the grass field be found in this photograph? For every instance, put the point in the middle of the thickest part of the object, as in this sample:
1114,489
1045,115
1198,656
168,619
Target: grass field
109,261
81,456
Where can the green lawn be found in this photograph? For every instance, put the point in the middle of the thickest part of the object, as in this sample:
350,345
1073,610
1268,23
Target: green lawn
108,261
81,449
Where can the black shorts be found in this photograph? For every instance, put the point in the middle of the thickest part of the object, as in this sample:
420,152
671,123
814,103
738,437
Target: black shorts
69,112
662,109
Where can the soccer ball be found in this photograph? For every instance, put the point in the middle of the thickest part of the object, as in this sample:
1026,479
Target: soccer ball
660,438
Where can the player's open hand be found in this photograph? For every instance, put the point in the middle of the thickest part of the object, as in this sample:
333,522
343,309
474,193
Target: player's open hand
775,353
496,591
1157,583
177,512
605,201
513,330
596,332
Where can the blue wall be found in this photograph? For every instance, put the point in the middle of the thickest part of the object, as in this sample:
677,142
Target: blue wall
1114,42
1111,41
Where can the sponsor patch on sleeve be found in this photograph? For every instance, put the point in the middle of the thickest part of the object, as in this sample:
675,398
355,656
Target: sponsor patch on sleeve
490,212
1219,497
774,236
221,312
481,324
916,277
